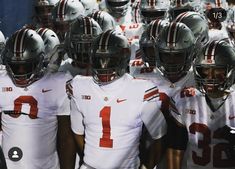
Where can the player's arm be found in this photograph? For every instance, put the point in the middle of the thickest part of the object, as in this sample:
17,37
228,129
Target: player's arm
77,128
155,124
66,145
177,138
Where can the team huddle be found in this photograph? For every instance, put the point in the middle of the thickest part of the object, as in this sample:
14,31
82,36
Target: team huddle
120,84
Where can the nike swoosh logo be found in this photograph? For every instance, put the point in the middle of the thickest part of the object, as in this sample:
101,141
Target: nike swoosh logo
46,90
231,117
120,100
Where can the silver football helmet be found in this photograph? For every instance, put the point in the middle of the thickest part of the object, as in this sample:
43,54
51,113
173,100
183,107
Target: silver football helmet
63,13
110,57
197,23
90,6
175,50
179,6
147,41
50,40
43,10
117,8
23,57
219,55
79,39
104,19
153,9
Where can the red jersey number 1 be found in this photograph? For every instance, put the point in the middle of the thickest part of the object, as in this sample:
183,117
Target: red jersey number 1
105,141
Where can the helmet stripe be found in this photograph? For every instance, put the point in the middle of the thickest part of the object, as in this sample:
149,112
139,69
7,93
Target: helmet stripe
19,41
181,16
103,43
87,25
136,11
218,3
61,9
210,53
172,31
155,28
96,15
178,3
42,31
151,2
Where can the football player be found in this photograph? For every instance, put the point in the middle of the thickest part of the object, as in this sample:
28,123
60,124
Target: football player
34,108
51,41
77,44
63,13
43,10
206,113
110,107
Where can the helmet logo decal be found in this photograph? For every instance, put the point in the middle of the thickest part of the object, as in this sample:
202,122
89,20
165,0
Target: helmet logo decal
171,38
103,43
18,44
61,9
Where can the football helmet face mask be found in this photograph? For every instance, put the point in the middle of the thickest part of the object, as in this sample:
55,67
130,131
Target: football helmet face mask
110,57
147,41
50,40
43,10
214,67
179,6
23,57
198,24
104,19
153,9
63,13
78,41
117,8
174,50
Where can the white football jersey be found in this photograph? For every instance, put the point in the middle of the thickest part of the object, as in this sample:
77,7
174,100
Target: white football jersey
67,66
206,149
29,121
139,70
215,34
112,116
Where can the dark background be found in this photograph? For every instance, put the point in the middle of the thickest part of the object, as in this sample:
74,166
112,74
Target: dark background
14,14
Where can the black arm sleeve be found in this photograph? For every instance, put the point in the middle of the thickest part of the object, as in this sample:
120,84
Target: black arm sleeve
2,160
177,135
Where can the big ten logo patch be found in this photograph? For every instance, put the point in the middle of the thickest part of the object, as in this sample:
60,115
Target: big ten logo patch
7,89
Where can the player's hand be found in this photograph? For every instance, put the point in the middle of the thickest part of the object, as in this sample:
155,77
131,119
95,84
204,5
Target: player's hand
228,133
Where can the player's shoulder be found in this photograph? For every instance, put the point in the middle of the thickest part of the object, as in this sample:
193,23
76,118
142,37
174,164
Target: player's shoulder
187,94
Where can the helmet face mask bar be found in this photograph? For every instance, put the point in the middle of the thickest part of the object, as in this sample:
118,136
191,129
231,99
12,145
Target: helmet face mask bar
110,57
23,57
214,69
79,40
175,50
148,40
117,8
